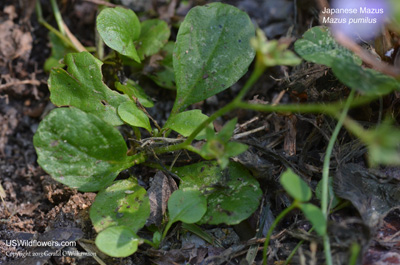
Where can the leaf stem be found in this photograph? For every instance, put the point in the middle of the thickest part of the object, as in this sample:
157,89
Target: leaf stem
164,234
57,16
327,249
255,75
135,159
148,242
51,28
271,229
331,109
258,71
329,149
325,173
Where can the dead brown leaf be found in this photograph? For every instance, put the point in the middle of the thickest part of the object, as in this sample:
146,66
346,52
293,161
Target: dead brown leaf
372,196
159,192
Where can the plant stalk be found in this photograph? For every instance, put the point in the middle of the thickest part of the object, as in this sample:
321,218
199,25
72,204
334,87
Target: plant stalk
325,173
329,149
58,17
227,108
271,229
255,75
51,28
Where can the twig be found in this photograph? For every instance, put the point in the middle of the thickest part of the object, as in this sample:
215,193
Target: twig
78,45
241,135
89,250
100,2
140,106
174,161
149,141
278,98
23,82
241,126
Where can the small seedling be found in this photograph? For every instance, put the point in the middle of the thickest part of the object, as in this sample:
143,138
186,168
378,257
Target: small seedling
299,190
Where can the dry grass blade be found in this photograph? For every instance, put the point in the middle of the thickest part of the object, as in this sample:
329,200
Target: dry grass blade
2,193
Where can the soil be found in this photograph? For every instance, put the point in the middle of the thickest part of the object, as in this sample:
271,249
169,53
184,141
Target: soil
36,207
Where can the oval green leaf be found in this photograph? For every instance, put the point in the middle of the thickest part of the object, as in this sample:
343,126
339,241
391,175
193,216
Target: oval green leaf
82,87
271,53
295,186
117,241
232,194
315,216
212,52
364,80
187,206
186,122
154,35
318,46
133,90
119,28
234,149
132,115
227,131
123,203
79,149
382,143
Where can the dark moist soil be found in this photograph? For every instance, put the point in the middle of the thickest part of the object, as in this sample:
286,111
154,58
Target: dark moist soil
35,207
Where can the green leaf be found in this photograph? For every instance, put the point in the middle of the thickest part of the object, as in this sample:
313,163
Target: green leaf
157,238
315,216
133,90
212,52
227,131
195,229
164,76
79,149
82,87
295,186
117,241
132,115
332,199
232,194
364,80
272,53
58,51
218,145
186,122
123,203
318,46
383,144
154,35
234,148
187,206
119,28
215,149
